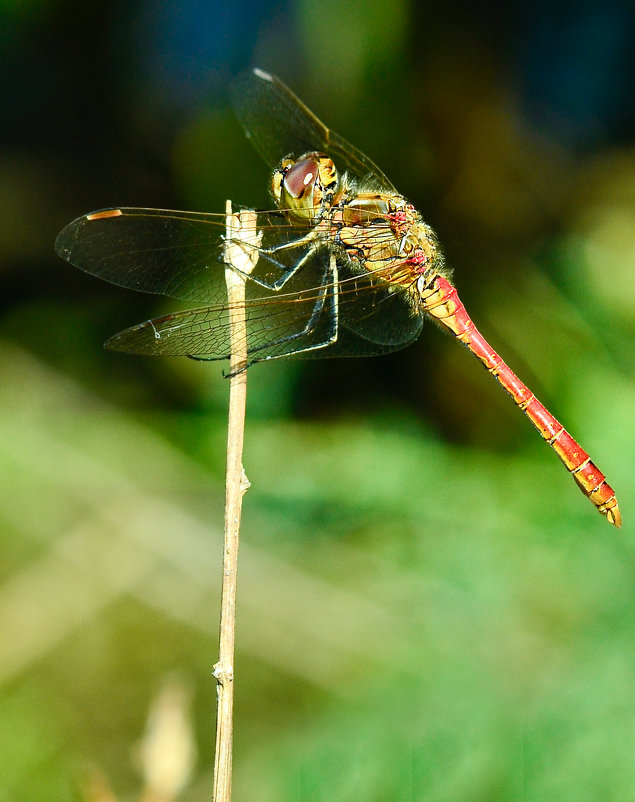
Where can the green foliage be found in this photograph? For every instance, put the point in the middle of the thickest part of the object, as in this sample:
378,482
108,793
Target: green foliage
416,621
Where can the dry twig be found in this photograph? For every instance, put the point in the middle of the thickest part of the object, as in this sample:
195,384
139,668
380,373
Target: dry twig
241,256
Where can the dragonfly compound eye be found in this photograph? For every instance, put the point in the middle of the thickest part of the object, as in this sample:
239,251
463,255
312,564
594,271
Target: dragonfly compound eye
300,179
306,186
297,187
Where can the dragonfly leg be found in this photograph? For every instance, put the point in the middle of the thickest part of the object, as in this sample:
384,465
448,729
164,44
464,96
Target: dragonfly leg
287,273
326,305
310,239
307,239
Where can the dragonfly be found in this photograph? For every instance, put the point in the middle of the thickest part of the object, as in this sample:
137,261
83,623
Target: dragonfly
345,266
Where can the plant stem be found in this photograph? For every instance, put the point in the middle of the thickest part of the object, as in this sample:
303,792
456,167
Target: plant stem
241,257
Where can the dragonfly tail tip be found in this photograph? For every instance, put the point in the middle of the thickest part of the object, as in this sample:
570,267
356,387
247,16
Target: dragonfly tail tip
612,513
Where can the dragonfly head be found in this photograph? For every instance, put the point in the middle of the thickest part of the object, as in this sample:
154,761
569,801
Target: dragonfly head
305,187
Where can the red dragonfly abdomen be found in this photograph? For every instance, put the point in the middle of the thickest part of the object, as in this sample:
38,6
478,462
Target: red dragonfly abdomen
441,301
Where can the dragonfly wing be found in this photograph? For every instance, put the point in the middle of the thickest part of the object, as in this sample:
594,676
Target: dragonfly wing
326,309
151,250
178,254
285,324
279,124
374,317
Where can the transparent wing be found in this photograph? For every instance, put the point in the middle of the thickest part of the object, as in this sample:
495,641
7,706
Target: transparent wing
277,325
341,314
279,124
178,254
329,306
374,317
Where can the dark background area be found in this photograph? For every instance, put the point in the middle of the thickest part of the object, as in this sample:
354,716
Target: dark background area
431,610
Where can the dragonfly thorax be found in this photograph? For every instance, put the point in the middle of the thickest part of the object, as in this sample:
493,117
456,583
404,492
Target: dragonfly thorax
365,207
386,236
305,187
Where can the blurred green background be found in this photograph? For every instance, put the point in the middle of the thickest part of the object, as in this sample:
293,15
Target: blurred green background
428,607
